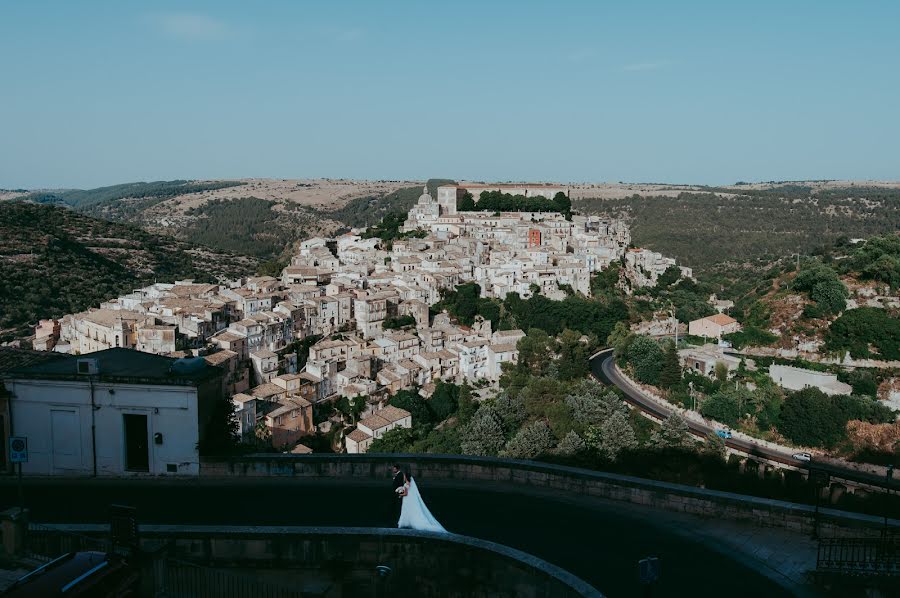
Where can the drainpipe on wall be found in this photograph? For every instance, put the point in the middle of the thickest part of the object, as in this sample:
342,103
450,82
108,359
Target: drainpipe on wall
93,426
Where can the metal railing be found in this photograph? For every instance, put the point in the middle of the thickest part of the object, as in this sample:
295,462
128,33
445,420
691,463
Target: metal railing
184,579
859,556
46,543
171,577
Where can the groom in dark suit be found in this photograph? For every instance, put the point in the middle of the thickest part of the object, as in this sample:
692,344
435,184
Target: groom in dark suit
397,499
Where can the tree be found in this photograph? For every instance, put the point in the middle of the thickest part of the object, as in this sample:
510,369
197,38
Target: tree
534,351
673,433
530,441
645,356
812,418
484,433
863,382
270,268
859,330
830,295
591,406
721,371
715,445
612,437
570,445
669,277
670,371
220,434
539,394
399,322
466,406
807,419
573,355
562,204
417,406
810,276
352,407
466,203
605,281
620,339
398,440
767,400
510,410
444,400
726,406
824,287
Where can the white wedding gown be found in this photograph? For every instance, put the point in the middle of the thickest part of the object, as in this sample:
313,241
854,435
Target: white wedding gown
414,514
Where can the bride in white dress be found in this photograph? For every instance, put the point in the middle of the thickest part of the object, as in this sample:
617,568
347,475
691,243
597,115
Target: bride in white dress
413,512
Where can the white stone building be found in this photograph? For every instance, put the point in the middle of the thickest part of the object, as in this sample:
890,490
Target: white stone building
794,378
116,412
376,426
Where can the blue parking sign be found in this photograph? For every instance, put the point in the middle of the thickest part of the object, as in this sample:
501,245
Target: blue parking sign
18,449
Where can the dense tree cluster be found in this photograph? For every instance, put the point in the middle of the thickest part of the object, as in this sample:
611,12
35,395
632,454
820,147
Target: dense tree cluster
246,225
824,287
590,317
398,322
389,229
301,348
448,403
876,259
750,336
497,201
860,330
811,418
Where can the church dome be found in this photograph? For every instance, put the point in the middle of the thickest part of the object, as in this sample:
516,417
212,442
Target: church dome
425,197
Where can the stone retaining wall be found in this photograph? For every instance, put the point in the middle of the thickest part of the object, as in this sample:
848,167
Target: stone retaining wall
343,561
567,480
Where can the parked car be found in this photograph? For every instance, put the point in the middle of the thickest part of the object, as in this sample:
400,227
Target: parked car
725,434
805,457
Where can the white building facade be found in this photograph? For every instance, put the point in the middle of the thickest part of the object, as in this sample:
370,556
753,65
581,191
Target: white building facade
122,416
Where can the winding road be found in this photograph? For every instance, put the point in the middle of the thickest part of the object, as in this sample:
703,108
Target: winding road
603,368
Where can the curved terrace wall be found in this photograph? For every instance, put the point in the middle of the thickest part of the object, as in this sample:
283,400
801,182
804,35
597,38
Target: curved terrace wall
421,563
557,478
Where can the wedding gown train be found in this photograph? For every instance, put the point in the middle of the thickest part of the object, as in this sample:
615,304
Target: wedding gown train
414,514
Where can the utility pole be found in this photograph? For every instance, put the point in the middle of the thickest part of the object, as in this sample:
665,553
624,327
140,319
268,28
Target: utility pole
888,476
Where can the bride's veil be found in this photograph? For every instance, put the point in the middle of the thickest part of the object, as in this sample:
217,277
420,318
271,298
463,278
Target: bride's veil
423,517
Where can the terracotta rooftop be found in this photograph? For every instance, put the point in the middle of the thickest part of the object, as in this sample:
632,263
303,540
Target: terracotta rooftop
374,422
721,319
358,435
219,357
393,414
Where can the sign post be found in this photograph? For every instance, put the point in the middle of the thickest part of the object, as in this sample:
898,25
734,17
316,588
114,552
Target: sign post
123,528
820,479
649,571
18,454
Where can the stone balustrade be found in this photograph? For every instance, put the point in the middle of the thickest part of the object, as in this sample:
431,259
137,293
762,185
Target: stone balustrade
340,561
541,477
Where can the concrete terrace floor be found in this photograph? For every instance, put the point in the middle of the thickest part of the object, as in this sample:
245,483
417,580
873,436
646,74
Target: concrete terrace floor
600,541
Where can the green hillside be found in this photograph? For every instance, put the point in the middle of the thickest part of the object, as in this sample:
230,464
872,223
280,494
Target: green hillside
702,229
90,199
55,261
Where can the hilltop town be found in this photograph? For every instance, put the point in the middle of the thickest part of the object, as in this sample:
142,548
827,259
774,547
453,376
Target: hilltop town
360,306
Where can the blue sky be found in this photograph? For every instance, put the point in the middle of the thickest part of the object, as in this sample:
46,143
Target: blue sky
97,93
